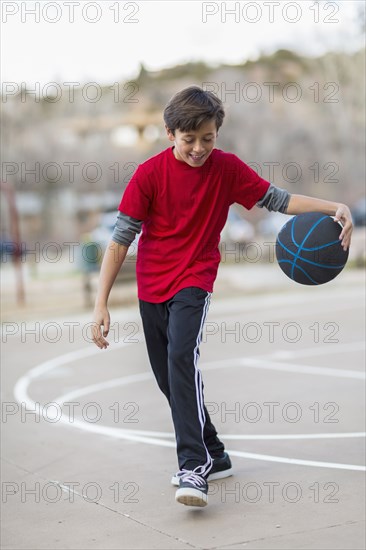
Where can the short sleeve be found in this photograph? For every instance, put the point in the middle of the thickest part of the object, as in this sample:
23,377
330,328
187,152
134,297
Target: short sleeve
247,186
138,195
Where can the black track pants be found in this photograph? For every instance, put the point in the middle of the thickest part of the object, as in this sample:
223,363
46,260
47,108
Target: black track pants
173,331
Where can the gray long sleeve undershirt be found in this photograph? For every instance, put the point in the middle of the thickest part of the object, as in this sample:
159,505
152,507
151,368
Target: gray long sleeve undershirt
275,200
125,229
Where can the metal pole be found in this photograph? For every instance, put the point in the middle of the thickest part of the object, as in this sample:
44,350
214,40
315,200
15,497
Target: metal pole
15,235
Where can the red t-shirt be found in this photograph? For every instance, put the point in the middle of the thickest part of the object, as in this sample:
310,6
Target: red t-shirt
184,209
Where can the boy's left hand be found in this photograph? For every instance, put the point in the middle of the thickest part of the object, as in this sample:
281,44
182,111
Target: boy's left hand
343,215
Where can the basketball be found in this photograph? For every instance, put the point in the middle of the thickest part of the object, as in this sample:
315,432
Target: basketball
308,249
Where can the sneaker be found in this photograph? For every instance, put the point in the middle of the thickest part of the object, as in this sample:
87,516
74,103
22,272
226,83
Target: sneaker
221,468
192,490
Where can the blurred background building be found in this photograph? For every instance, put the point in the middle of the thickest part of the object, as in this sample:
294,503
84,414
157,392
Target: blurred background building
68,162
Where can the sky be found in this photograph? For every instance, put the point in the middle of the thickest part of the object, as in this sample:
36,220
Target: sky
105,42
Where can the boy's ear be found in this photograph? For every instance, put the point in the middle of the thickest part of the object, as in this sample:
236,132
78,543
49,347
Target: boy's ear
169,133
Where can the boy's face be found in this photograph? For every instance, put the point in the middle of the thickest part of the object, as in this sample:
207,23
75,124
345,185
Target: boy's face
194,147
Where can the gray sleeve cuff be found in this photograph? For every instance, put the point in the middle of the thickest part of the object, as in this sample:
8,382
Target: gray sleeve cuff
125,229
275,200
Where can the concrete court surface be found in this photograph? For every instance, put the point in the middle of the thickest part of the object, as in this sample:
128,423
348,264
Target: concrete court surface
284,377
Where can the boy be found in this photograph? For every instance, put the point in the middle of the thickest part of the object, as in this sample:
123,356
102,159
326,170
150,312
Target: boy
180,198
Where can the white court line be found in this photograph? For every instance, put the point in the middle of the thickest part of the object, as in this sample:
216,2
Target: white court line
245,437
260,362
267,364
21,394
94,388
282,437
270,362
327,349
124,381
22,384
244,306
118,434
313,463
302,369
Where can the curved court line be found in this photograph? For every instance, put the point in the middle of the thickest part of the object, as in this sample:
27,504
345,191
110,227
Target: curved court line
254,362
124,381
24,381
119,434
93,388
21,386
20,393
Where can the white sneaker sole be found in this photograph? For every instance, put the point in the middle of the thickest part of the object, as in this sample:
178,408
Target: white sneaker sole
211,477
191,497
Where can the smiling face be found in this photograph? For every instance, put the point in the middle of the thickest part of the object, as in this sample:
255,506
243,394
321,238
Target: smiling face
194,147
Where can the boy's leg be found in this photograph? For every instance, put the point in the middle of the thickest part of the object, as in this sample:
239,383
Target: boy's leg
155,324
155,318
212,442
187,314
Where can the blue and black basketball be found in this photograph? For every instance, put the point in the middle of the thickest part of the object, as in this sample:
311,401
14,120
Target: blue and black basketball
308,249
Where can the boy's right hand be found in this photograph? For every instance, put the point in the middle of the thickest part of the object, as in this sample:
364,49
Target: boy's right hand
101,318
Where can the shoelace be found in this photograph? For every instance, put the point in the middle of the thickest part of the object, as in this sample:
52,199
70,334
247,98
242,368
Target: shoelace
192,477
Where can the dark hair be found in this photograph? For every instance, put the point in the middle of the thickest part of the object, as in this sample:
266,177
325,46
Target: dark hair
190,107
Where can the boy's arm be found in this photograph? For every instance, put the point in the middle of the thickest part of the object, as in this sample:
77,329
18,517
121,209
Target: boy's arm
301,203
112,262
124,234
